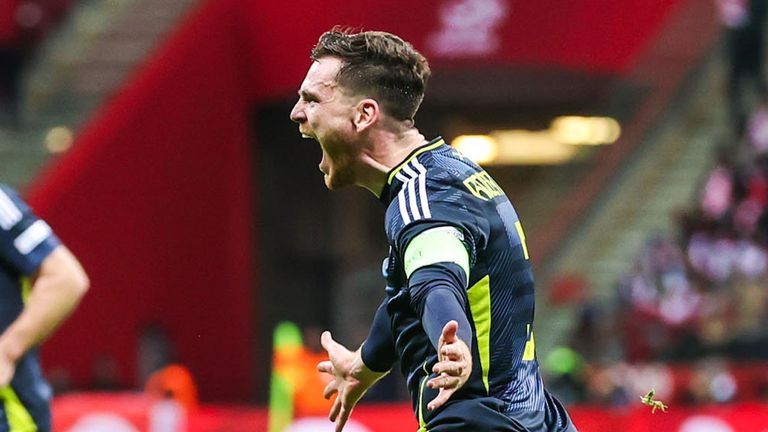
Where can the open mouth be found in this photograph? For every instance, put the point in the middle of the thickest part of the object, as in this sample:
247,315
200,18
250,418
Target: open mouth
322,166
306,135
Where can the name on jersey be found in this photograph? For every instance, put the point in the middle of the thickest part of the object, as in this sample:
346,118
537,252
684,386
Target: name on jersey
483,186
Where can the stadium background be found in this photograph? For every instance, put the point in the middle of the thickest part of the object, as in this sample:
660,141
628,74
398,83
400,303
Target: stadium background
201,219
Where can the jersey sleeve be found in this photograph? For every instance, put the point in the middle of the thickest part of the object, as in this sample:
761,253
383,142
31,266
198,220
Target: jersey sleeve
378,350
435,228
426,203
437,296
25,240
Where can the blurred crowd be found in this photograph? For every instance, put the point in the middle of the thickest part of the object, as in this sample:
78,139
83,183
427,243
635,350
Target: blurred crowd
689,316
23,24
692,310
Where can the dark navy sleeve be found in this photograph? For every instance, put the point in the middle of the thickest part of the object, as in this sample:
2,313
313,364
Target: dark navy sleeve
438,292
438,295
436,202
378,351
25,240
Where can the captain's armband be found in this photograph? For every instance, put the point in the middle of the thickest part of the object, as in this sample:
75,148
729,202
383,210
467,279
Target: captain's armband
436,245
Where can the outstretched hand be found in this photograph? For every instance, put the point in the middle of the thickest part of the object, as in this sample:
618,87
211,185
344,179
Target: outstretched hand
351,379
453,367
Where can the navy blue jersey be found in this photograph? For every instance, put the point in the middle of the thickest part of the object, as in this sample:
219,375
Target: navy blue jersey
437,186
25,241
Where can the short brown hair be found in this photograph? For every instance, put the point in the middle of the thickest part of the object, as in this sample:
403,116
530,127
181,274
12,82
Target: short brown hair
379,65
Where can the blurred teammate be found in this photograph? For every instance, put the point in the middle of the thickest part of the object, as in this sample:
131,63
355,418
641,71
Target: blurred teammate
41,283
458,311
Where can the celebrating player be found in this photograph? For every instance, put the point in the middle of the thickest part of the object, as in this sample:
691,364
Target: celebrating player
458,311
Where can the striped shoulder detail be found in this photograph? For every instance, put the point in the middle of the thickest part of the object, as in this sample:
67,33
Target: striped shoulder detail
423,149
10,214
412,199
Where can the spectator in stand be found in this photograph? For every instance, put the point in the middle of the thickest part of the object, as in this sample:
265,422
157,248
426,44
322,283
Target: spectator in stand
744,24
717,193
23,23
711,382
12,54
174,382
606,385
104,374
757,130
155,351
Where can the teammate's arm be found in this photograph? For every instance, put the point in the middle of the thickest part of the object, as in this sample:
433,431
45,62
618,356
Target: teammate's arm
57,287
437,266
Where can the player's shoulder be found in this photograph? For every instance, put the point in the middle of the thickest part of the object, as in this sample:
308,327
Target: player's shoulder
440,171
428,188
451,175
447,163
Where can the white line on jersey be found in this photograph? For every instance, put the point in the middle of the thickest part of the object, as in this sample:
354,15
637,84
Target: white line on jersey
411,202
403,210
423,189
401,177
10,215
35,234
412,198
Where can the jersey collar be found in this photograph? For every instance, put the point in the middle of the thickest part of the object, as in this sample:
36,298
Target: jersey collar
435,143
431,145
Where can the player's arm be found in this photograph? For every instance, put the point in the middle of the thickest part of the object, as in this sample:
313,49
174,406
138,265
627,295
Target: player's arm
57,287
355,372
28,247
378,351
437,266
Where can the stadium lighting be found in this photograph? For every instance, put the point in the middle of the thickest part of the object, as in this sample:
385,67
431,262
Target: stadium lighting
524,147
59,139
482,149
577,130
555,145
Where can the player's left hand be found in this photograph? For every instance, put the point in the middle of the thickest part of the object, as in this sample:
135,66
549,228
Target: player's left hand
453,367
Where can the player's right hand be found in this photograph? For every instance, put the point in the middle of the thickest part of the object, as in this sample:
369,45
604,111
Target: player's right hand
351,379
453,367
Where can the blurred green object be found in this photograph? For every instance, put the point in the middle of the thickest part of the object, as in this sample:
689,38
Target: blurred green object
286,342
563,361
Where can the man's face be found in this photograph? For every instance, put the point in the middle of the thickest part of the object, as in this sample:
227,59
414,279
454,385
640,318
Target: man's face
325,112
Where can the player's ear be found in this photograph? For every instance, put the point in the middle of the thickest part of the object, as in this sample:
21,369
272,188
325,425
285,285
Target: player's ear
367,113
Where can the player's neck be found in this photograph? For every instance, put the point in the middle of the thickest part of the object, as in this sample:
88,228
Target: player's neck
384,153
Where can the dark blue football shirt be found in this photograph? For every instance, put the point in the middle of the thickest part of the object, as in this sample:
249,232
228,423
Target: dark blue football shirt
434,187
